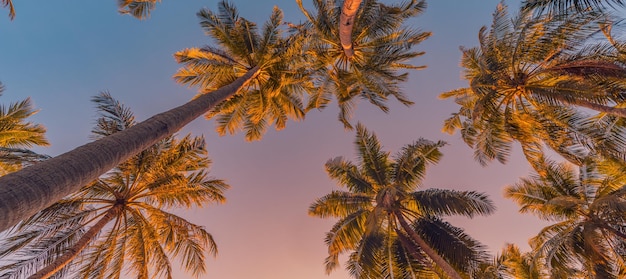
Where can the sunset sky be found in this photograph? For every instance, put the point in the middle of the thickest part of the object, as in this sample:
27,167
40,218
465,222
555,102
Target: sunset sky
61,53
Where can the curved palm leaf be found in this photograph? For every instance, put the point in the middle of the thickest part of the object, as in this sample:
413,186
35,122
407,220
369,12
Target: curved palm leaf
381,47
275,93
528,80
588,236
137,228
381,191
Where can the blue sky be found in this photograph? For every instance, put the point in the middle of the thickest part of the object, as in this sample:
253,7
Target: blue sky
60,53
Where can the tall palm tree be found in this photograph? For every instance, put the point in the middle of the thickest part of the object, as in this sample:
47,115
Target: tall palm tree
16,135
122,216
25,192
392,228
534,81
587,205
380,47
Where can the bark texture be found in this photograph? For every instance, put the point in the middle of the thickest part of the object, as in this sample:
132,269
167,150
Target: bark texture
346,24
430,252
84,240
36,187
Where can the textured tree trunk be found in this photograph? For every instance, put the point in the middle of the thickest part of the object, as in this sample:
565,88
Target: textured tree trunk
430,252
34,188
73,251
346,24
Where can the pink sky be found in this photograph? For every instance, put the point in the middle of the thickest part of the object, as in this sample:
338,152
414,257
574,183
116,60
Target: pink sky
60,53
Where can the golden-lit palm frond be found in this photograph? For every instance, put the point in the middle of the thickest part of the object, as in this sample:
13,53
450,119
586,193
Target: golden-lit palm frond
588,235
533,80
442,202
461,250
17,134
380,195
382,48
410,162
275,93
141,236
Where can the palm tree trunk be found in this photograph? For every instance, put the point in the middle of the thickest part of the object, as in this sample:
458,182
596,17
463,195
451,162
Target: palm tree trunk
430,252
346,24
73,251
32,189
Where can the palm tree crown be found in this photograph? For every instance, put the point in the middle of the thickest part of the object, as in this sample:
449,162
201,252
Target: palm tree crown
534,80
587,206
121,220
274,94
380,200
382,47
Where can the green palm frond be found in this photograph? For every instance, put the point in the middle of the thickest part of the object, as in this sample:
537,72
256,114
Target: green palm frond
411,161
339,204
442,202
373,160
345,235
462,251
365,261
372,223
347,174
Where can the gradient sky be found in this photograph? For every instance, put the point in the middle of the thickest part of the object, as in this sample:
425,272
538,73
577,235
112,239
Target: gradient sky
61,53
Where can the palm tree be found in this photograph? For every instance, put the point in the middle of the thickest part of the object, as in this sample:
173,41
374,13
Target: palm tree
367,65
349,9
587,205
16,135
32,189
272,96
122,215
563,6
392,228
534,80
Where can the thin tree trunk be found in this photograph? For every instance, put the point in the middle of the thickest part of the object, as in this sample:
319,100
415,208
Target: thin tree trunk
346,24
430,252
32,189
73,251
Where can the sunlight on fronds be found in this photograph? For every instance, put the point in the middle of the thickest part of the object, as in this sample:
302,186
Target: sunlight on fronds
381,193
137,235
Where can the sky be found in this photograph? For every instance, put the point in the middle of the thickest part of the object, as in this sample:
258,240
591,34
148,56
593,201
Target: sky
61,53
